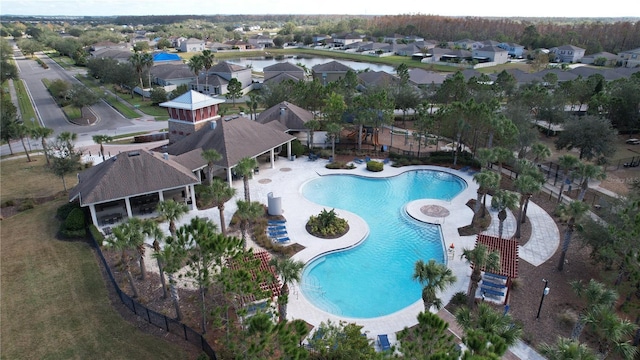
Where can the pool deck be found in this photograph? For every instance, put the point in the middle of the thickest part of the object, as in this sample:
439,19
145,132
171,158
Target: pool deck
286,180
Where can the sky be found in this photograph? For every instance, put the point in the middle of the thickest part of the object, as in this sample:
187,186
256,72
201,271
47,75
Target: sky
499,8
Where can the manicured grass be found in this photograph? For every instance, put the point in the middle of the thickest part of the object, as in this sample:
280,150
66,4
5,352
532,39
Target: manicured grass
122,108
65,62
54,299
24,102
72,112
147,107
21,179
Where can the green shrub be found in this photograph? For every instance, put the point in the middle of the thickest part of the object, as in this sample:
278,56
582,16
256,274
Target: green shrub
459,298
97,235
297,148
63,211
375,166
8,203
327,224
26,205
75,220
340,165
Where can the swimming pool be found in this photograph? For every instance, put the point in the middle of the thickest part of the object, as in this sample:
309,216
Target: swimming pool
374,278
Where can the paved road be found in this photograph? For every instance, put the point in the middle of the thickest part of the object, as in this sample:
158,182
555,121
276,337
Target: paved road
50,115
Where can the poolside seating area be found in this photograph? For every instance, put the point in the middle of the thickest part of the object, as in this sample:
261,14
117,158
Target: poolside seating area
313,157
383,342
493,285
277,231
357,160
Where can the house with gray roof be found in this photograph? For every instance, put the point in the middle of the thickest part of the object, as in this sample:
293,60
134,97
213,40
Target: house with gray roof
370,79
346,39
329,72
283,68
260,42
131,184
562,75
171,74
216,80
109,45
191,45
292,117
491,53
421,77
514,50
602,58
629,58
233,137
280,78
120,55
567,53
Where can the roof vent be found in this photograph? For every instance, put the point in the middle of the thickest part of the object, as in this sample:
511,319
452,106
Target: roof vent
133,153
165,156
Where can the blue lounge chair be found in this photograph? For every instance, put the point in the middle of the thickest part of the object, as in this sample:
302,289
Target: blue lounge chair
383,341
367,159
283,240
277,227
276,222
386,161
358,160
277,234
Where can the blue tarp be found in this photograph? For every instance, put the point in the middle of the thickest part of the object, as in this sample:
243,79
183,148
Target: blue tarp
163,56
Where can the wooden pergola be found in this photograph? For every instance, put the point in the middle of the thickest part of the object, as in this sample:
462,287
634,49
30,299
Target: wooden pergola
508,250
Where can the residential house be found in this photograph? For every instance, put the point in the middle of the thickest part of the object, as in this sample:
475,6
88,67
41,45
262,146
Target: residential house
372,79
228,71
120,55
402,39
176,41
171,74
422,78
515,50
329,72
567,53
561,75
260,42
216,80
468,44
283,68
108,45
218,46
602,58
630,58
189,112
521,77
491,54
131,184
238,44
346,39
318,39
456,56
289,118
192,45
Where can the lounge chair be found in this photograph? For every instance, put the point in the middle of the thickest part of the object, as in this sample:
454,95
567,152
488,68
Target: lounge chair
276,227
283,240
276,222
383,341
330,159
277,234
358,160
367,159
386,161
465,169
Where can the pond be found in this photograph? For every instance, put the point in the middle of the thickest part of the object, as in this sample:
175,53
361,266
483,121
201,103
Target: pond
259,63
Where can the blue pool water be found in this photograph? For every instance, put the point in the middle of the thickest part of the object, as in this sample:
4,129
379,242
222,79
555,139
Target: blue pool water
374,278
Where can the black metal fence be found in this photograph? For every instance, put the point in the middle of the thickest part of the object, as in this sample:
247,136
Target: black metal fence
153,317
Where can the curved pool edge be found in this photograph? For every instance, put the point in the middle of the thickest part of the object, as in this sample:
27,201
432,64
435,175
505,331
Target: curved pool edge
300,308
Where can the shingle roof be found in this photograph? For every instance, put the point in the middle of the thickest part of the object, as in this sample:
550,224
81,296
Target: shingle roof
233,137
283,76
293,117
283,66
423,77
508,250
112,54
191,100
491,48
225,67
171,71
377,78
129,174
332,66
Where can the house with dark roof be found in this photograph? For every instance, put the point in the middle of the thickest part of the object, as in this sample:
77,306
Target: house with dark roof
131,184
567,53
468,44
233,137
118,54
346,39
289,118
216,80
602,58
108,45
260,42
629,58
294,71
421,77
329,72
371,79
238,44
171,74
402,39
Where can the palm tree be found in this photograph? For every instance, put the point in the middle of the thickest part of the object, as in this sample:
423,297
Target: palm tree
43,133
540,152
333,130
527,185
101,139
195,65
434,277
247,212
151,228
289,271
612,332
168,257
486,156
245,168
312,125
210,156
221,192
596,294
502,156
172,211
503,200
490,322
207,63
567,349
567,163
252,104
124,237
487,180
22,131
586,173
570,213
140,62
479,257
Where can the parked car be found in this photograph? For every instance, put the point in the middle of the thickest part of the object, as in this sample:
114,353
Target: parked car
633,141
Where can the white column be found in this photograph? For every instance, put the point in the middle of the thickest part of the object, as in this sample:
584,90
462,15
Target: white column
272,156
289,149
94,218
229,178
160,196
192,193
127,203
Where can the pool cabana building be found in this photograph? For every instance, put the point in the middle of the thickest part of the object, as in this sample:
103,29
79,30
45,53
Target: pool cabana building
496,284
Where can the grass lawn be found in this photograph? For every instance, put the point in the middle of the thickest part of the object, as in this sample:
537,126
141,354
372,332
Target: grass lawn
54,299
122,108
22,179
24,102
65,62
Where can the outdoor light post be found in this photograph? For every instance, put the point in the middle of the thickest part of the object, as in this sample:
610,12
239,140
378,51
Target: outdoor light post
545,292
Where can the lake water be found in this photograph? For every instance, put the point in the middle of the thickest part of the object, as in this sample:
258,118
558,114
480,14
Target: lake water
259,63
